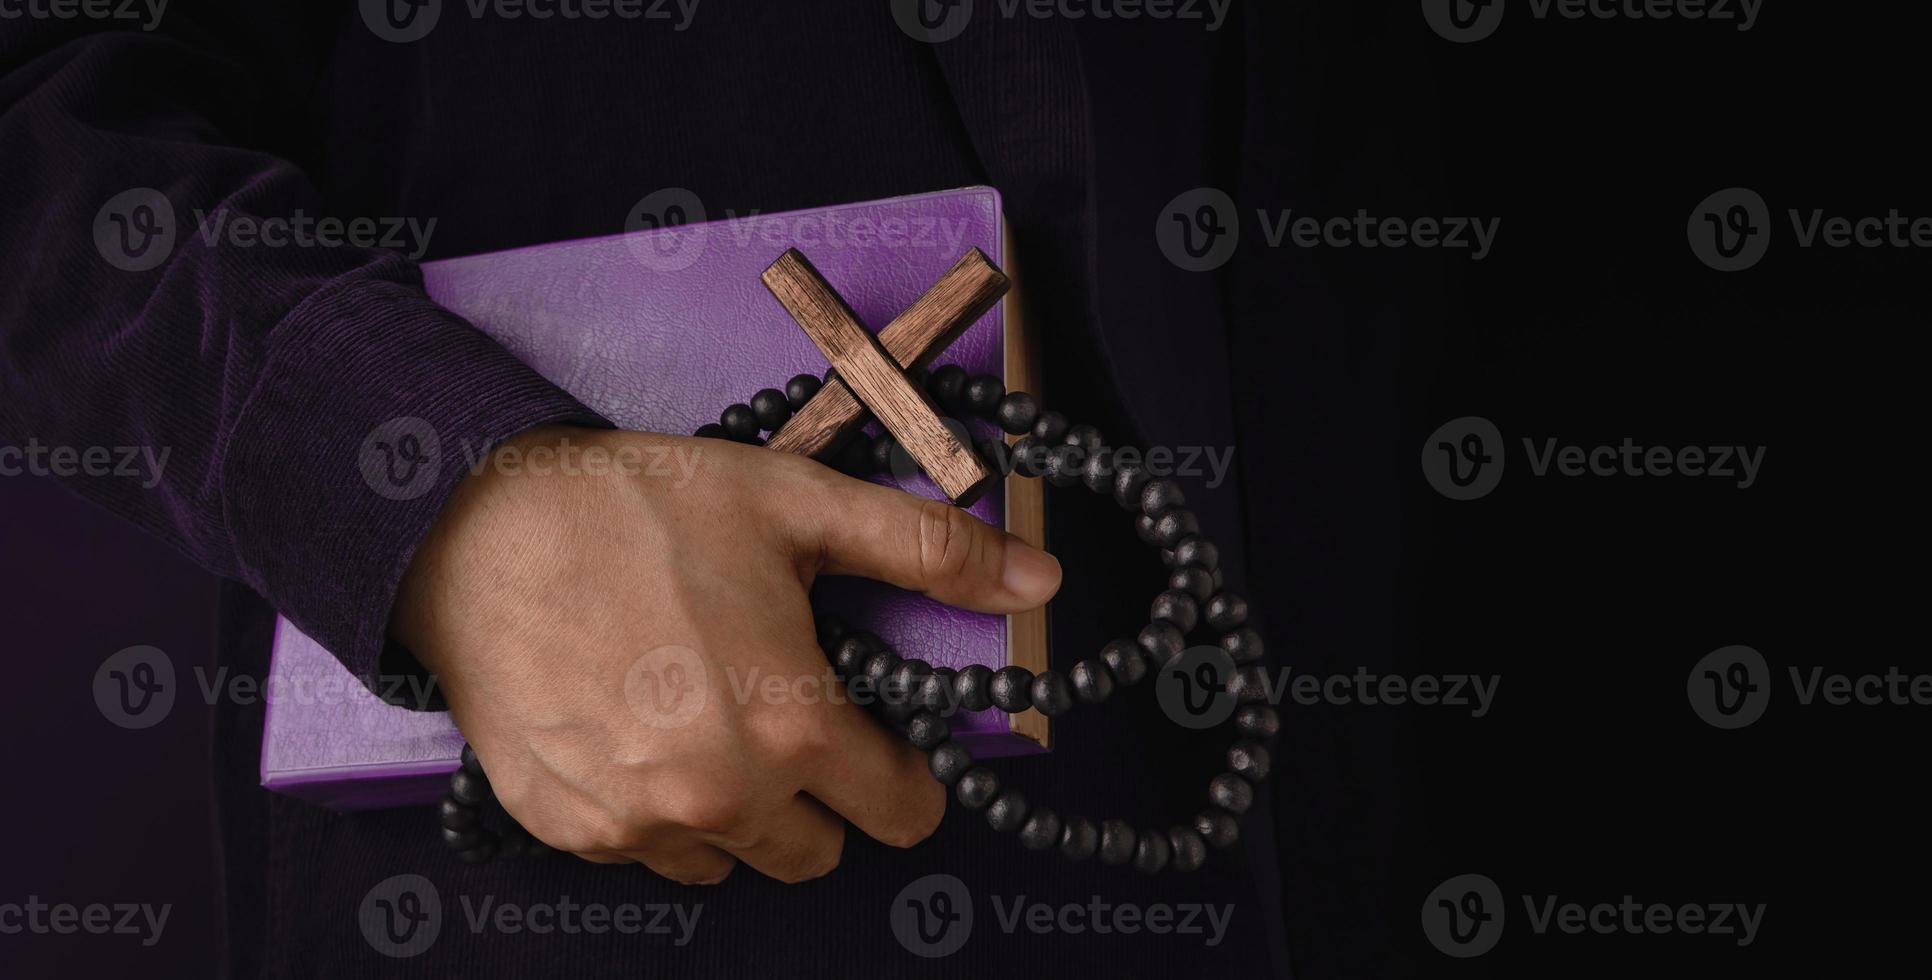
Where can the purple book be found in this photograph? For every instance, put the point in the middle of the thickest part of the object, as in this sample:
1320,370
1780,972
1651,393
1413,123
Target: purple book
659,330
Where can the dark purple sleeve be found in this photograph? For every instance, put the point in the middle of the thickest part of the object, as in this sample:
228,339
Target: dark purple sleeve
260,372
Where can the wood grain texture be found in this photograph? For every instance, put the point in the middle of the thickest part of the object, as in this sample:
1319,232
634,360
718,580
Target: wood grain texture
918,334
1026,632
874,376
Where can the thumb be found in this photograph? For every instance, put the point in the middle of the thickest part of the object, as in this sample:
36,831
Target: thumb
929,546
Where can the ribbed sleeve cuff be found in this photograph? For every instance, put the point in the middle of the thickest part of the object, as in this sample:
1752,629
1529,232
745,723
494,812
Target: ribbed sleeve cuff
373,404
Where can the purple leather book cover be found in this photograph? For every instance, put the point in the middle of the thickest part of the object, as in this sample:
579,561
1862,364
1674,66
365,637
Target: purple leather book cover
659,330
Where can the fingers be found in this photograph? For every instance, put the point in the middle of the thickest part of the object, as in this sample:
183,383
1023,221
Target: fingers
876,780
799,841
927,546
685,861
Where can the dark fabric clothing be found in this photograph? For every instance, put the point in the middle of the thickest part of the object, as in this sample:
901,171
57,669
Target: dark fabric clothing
264,369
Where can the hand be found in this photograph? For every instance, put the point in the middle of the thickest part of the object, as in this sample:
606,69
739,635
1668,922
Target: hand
559,612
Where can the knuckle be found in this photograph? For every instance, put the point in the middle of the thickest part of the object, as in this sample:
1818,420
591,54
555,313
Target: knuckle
921,819
947,539
702,806
795,738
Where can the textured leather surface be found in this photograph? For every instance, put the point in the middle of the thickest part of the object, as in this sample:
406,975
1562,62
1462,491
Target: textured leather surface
660,330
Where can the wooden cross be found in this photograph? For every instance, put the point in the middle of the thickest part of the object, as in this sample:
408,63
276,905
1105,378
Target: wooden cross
872,370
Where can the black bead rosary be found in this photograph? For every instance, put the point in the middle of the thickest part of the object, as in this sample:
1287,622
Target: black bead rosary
917,697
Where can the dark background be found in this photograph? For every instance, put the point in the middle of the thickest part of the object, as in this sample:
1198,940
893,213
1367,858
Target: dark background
1591,597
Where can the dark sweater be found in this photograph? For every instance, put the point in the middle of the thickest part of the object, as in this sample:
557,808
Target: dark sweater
263,368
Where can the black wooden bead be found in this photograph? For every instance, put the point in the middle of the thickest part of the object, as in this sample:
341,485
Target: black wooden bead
1144,529
1152,852
482,853
1218,827
469,760
1011,688
1086,437
1125,660
1116,842
1041,829
513,843
1092,681
949,760
947,385
935,692
463,840
800,390
880,665
1243,644
739,422
926,730
849,656
1175,607
830,629
983,394
1249,759
1231,793
977,788
1007,811
898,690
1062,465
1198,550
996,454
1079,838
974,687
1017,413
1249,685
1257,721
712,430
878,455
455,814
1161,496
771,409
1098,471
1051,693
1193,580
1130,479
1029,457
1170,528
1190,851
1167,557
1051,428
854,456
918,377
1161,642
468,787
1226,611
